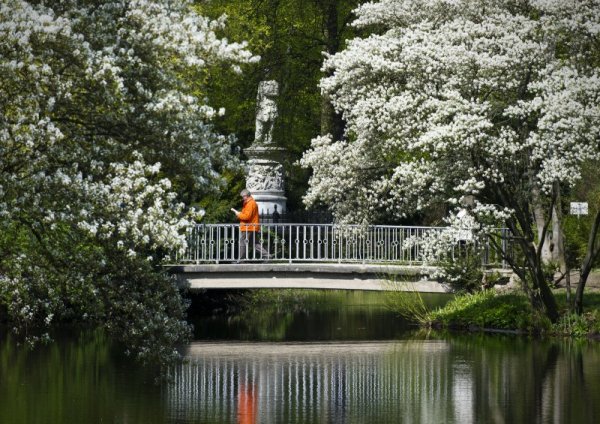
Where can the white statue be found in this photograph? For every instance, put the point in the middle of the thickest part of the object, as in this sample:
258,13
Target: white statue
266,112
265,172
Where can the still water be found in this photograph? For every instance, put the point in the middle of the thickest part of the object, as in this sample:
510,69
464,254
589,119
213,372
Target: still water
345,359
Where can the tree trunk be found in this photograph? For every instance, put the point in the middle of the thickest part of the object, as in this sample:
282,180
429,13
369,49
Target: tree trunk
593,249
539,293
542,298
559,242
583,276
549,253
331,122
521,227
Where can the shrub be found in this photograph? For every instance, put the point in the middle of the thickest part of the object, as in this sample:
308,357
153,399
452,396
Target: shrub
571,324
463,271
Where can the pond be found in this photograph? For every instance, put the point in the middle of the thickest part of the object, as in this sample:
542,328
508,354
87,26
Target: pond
340,358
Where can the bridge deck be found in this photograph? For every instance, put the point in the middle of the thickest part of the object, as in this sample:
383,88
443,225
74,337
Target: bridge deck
306,276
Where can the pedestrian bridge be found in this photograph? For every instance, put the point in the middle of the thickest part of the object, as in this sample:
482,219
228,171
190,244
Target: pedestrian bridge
322,256
306,276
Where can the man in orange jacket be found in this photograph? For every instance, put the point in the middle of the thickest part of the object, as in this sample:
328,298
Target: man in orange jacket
249,226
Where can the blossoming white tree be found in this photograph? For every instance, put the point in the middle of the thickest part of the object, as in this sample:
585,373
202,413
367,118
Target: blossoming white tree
102,121
497,100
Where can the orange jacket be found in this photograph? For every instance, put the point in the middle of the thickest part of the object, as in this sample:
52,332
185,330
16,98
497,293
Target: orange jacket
249,216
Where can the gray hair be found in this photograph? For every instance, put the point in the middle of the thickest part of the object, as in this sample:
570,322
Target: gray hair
245,192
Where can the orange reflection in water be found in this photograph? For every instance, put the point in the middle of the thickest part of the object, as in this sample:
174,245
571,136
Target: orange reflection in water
246,405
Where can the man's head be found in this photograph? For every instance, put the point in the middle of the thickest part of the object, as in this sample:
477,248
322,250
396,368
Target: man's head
245,193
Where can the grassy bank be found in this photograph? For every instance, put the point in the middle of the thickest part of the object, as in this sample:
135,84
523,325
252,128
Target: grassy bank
493,311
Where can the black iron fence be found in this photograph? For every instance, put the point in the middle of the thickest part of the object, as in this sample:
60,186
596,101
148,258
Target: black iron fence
297,217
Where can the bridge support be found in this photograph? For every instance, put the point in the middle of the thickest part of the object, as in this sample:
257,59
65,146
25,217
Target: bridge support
306,276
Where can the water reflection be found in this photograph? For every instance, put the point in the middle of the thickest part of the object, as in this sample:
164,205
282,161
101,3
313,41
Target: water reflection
319,315
428,381
77,379
246,410
413,378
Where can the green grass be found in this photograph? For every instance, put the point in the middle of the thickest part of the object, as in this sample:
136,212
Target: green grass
578,326
512,311
487,309
408,304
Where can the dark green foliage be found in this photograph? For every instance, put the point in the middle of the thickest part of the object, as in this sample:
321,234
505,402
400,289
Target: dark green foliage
591,300
290,36
143,309
577,228
70,278
218,206
584,325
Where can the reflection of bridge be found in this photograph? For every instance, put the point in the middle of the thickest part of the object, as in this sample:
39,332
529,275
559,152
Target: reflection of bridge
317,256
314,382
450,380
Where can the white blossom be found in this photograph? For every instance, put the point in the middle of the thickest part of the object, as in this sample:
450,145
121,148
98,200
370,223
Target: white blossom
455,98
117,65
102,121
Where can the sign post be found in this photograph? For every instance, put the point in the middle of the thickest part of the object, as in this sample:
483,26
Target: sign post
579,208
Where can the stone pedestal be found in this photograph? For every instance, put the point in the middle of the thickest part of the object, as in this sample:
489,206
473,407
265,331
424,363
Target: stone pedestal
265,172
265,178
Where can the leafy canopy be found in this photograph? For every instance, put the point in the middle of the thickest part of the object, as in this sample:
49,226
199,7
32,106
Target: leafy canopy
103,123
447,99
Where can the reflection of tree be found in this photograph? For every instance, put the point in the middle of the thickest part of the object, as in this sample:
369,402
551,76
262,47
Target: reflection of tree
436,377
467,377
543,364
522,380
579,394
75,380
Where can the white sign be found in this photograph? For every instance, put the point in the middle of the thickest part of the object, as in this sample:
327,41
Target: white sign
579,208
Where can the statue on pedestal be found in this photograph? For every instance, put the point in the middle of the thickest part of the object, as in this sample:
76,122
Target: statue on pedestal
265,172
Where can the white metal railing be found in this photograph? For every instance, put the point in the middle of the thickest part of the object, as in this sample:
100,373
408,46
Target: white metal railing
216,243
